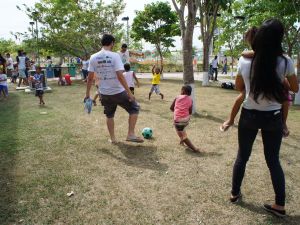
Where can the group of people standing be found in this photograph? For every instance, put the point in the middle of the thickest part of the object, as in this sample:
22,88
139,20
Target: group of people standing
265,75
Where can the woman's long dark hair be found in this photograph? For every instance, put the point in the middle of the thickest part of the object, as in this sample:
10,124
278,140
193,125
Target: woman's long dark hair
267,47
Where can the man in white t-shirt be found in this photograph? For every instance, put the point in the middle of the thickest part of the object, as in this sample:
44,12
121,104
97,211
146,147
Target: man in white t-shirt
214,65
124,54
108,68
9,65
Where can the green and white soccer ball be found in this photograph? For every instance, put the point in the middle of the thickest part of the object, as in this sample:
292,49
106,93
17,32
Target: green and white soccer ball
147,132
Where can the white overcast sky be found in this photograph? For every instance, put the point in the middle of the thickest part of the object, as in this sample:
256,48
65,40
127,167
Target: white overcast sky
16,20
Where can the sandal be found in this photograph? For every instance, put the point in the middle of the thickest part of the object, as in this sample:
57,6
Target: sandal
235,199
276,212
135,139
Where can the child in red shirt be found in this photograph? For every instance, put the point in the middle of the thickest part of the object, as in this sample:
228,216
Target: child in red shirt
182,108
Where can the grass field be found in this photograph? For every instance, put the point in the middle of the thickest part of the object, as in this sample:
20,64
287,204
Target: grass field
43,157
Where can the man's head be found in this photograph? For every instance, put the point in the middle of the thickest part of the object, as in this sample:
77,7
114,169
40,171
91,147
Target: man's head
216,57
108,40
124,47
7,55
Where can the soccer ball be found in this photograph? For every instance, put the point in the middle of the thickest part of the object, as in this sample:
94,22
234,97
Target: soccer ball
147,132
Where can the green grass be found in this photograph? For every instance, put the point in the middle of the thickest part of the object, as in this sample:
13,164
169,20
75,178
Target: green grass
43,157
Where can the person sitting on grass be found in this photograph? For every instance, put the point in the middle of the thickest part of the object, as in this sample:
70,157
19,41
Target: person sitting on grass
156,81
3,82
249,37
129,76
38,80
182,108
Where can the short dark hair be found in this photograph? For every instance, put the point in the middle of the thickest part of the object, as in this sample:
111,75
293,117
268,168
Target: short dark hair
107,39
124,45
187,89
127,66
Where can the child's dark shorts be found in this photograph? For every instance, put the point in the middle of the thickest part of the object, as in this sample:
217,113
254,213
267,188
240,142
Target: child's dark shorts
110,103
39,93
179,126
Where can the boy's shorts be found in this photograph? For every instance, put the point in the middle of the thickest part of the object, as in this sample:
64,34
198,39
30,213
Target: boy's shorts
22,73
155,88
39,93
180,126
132,90
110,103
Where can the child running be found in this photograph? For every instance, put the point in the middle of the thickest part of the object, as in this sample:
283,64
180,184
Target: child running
38,79
156,81
3,82
249,37
129,76
182,108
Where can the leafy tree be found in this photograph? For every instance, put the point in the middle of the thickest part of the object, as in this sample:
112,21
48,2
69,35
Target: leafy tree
156,24
232,28
7,46
208,12
75,27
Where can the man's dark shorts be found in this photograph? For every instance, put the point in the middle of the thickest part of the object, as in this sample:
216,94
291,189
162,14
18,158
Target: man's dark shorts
110,103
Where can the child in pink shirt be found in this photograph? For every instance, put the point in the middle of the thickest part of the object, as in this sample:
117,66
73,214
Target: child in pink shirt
182,108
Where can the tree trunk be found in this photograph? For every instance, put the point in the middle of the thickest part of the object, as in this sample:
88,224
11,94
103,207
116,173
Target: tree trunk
298,66
188,73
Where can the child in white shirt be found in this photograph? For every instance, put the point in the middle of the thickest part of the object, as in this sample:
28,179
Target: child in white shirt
3,82
129,76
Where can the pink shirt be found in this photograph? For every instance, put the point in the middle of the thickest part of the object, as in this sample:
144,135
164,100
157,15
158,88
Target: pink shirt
182,105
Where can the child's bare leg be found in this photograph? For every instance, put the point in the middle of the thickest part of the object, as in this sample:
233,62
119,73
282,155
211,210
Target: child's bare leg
161,95
234,111
186,141
285,111
95,98
150,93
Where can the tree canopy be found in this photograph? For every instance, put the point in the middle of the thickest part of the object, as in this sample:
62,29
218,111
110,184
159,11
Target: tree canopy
75,27
156,24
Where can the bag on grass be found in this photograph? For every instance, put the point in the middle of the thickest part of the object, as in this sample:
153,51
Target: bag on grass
227,85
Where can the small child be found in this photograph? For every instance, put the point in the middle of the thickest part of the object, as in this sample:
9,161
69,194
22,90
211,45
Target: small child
3,82
129,76
182,108
155,81
97,94
38,80
14,75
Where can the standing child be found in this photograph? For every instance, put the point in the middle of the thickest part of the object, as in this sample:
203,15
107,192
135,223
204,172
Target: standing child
3,82
182,108
129,76
156,73
38,79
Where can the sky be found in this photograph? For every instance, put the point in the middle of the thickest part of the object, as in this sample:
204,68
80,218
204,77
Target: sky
17,21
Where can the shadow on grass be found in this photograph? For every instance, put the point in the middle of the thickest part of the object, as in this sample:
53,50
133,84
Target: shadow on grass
138,156
202,154
271,219
9,110
204,115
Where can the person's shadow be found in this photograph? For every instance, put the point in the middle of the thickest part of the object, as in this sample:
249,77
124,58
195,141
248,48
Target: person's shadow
271,219
138,156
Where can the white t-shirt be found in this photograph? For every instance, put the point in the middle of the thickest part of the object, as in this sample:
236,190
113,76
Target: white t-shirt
105,64
214,63
22,62
124,56
129,78
3,79
263,103
85,64
10,62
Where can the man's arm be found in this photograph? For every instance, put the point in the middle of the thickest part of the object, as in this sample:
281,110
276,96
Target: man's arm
124,84
89,84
